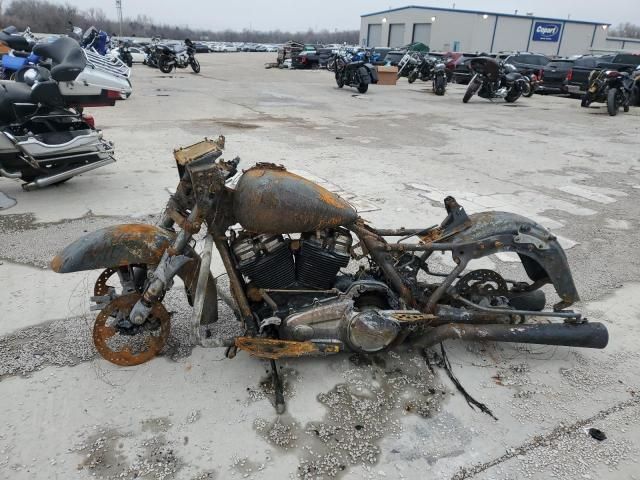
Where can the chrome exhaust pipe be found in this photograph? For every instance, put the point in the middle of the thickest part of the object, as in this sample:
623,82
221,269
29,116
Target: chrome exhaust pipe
14,175
587,335
58,177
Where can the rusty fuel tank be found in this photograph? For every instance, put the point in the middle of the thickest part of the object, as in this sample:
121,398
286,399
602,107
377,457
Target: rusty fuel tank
269,199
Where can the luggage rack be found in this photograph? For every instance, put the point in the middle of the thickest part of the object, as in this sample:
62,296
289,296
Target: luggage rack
112,65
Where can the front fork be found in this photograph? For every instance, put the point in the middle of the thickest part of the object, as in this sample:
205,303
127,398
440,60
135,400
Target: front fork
161,279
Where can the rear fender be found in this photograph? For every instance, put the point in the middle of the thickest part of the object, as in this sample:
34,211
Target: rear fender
122,245
540,253
363,73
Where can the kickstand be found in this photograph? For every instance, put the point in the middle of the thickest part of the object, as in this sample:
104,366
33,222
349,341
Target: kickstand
277,387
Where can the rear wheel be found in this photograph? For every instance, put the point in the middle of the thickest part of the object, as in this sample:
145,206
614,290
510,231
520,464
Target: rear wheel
612,102
513,95
363,87
195,65
527,89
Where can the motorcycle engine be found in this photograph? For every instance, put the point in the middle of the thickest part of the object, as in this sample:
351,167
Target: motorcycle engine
271,262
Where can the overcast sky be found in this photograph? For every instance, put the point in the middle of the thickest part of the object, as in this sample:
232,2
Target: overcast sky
342,14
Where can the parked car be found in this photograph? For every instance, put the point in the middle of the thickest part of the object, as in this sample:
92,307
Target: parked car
137,54
393,57
527,62
201,48
553,75
623,62
305,60
457,67
577,80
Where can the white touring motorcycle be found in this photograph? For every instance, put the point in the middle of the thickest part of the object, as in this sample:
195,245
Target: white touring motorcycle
45,138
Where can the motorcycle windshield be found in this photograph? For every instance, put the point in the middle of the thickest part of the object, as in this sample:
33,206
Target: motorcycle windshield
485,66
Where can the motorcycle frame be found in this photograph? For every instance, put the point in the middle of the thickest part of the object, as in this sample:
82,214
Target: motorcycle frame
203,197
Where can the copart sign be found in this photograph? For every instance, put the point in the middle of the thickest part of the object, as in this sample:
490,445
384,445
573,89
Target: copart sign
546,32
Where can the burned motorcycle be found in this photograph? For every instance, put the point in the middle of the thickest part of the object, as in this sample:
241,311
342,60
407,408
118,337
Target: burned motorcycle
492,79
284,241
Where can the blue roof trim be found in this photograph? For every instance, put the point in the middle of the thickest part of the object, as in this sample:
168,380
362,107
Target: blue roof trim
480,12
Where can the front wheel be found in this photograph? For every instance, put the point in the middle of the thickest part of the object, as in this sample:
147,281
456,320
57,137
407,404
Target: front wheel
363,87
612,102
471,89
339,80
439,85
412,77
584,101
513,95
165,66
195,65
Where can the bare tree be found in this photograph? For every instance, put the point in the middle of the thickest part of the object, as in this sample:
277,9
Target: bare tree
626,30
45,17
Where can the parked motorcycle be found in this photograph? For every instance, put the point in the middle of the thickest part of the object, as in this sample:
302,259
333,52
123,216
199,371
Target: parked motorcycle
492,79
283,241
125,54
178,57
407,65
612,87
532,80
45,138
423,70
96,40
358,73
439,78
16,50
11,39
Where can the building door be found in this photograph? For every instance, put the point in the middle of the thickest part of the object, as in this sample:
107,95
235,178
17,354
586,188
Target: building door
374,35
422,33
396,35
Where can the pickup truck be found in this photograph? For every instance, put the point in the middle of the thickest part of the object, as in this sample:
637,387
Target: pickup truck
578,76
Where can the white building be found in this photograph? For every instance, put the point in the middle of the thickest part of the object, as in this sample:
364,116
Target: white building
446,29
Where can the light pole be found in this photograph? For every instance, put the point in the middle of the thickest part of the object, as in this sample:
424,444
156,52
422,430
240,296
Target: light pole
119,10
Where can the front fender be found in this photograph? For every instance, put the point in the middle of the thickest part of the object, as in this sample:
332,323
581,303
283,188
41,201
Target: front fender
114,246
121,245
542,256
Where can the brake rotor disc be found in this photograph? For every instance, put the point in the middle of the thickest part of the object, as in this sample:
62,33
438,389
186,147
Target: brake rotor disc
123,346
101,287
483,282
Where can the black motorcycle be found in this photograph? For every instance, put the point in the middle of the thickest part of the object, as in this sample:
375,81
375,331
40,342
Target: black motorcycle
613,87
178,57
492,79
439,78
357,74
124,53
423,70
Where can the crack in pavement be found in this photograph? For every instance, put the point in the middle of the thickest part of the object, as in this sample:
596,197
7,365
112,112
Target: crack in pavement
542,440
